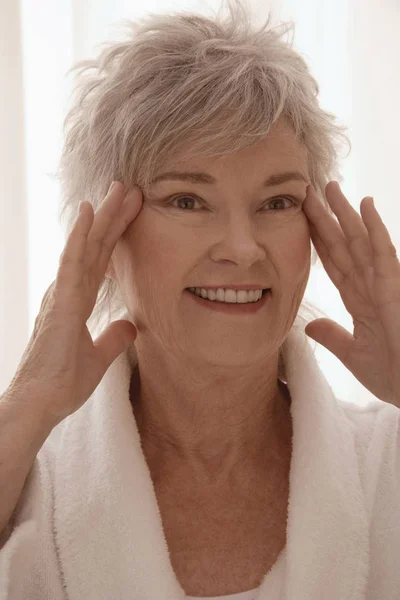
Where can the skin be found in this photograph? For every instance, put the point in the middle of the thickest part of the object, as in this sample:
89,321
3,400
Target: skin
206,394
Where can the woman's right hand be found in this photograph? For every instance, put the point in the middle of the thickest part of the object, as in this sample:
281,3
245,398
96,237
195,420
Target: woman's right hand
62,365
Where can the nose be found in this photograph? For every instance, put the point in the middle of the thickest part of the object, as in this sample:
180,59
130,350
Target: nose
239,244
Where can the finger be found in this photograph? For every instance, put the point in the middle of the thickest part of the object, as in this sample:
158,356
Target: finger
385,257
128,212
104,216
363,274
329,231
42,310
387,272
333,273
352,226
109,228
47,294
71,263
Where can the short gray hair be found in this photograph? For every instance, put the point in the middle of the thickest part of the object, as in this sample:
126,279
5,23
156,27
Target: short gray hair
185,80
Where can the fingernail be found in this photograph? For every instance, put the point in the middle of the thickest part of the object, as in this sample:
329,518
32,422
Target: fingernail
337,186
112,187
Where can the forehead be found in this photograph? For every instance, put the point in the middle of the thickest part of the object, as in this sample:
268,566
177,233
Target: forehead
280,148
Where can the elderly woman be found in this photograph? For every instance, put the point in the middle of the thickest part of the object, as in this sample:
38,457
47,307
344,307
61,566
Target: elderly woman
195,449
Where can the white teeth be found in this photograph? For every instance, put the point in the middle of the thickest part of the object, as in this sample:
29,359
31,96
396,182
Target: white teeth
230,296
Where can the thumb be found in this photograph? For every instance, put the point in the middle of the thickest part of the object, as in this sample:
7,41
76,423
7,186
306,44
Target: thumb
114,340
332,336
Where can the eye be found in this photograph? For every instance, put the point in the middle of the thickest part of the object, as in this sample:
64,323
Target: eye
190,198
182,198
289,198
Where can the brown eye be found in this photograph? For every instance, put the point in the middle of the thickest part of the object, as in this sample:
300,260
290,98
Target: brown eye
180,199
184,199
279,198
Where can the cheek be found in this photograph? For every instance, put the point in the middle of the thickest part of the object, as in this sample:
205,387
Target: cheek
301,261
294,241
158,248
293,255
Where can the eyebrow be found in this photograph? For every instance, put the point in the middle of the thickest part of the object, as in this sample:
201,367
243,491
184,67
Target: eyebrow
276,179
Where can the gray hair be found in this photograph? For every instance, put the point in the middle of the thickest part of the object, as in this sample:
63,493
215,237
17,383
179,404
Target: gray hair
212,84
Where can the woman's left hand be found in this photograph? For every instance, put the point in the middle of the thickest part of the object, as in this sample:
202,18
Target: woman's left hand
361,260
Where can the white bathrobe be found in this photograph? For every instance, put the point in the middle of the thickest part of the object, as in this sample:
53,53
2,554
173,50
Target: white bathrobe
88,527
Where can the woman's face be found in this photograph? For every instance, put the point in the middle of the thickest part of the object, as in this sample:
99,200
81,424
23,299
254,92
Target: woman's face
235,229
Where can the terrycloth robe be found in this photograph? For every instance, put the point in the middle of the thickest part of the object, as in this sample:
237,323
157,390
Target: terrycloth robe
88,526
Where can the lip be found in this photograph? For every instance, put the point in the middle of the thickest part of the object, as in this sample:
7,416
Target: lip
225,286
232,308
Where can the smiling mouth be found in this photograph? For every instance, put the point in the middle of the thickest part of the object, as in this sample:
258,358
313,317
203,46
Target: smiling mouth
192,291
264,291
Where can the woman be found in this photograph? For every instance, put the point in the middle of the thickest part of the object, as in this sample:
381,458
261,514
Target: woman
209,457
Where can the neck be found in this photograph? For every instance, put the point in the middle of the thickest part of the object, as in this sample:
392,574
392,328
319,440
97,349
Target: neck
213,461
